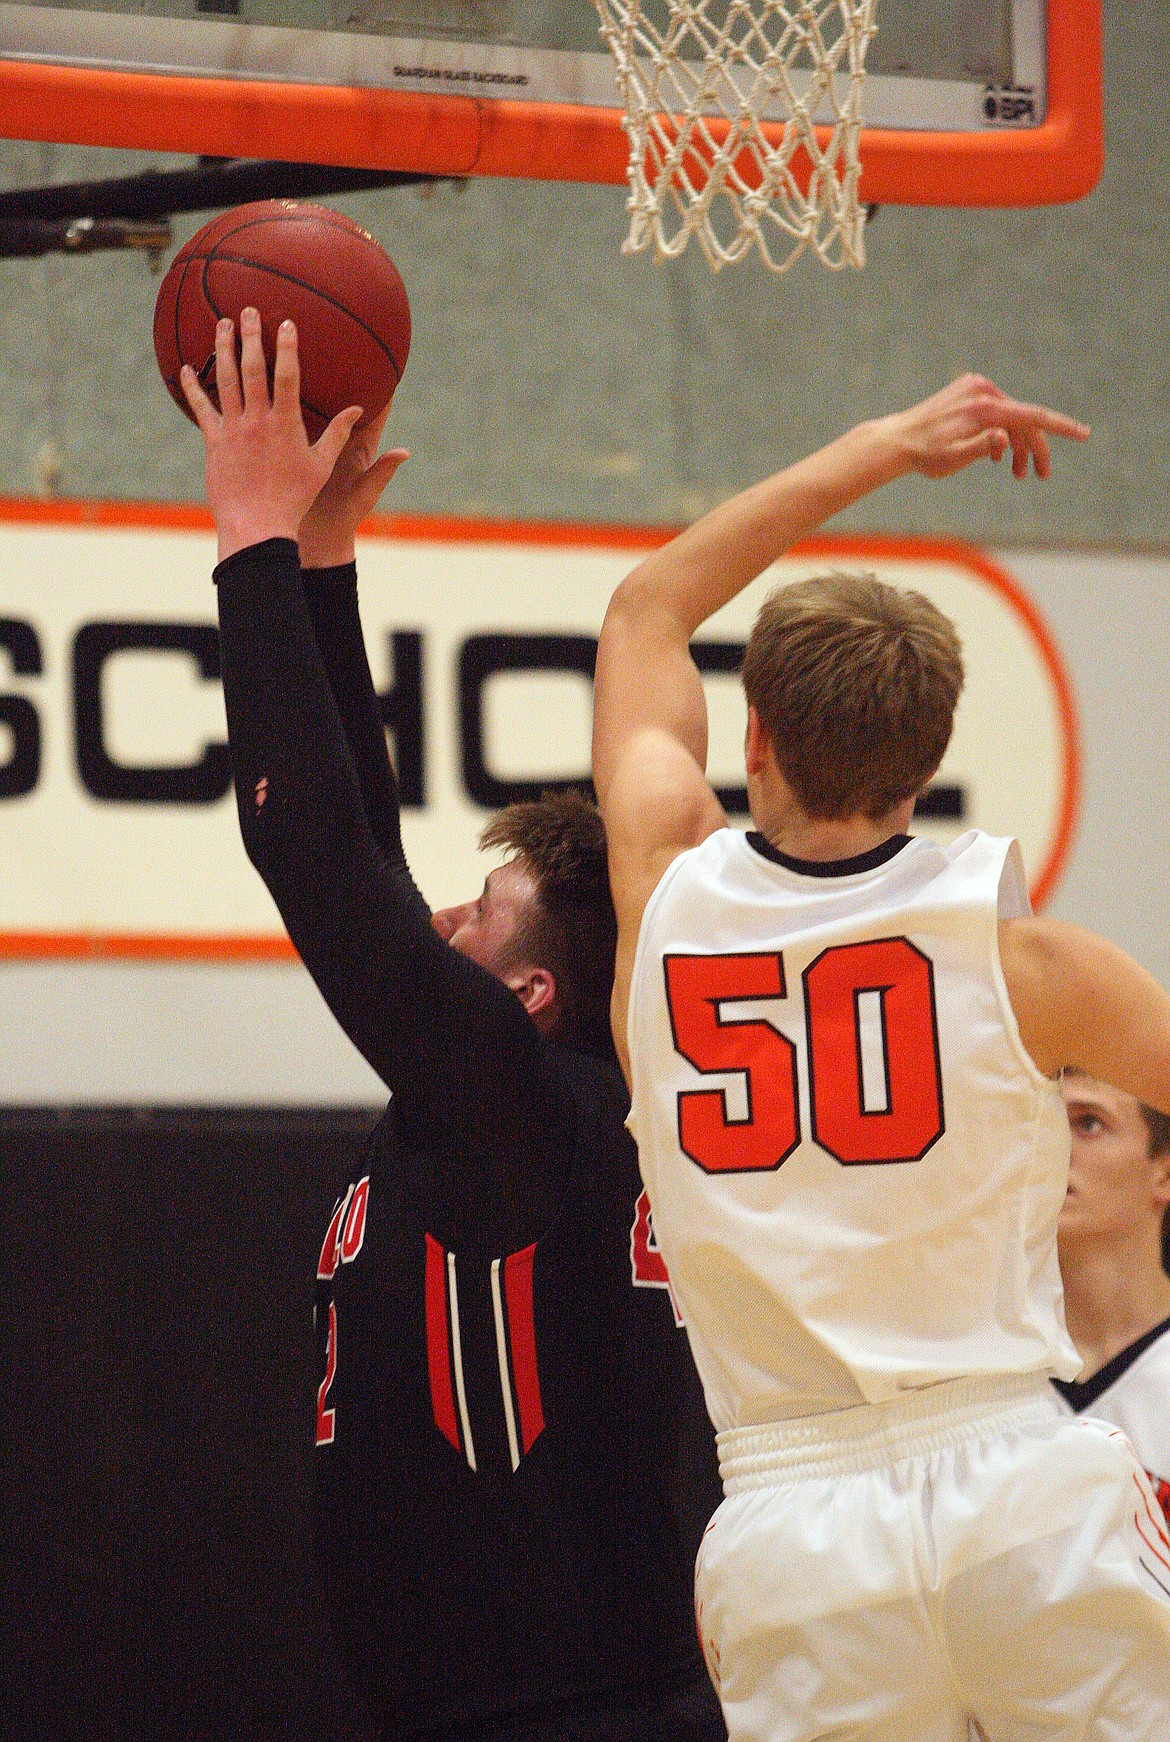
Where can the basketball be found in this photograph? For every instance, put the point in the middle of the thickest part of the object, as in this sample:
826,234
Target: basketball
298,262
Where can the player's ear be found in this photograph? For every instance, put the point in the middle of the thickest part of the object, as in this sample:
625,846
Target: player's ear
536,989
1160,1180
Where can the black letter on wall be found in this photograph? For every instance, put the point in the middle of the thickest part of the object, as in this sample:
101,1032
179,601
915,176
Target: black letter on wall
482,656
402,713
202,782
23,769
942,800
723,657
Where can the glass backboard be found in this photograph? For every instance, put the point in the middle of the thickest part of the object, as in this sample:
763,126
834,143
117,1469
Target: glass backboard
966,101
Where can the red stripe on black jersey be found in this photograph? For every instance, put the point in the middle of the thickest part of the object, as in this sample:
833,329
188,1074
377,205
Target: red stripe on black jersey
355,1222
647,1265
522,1336
438,1343
326,1417
1161,1493
330,1254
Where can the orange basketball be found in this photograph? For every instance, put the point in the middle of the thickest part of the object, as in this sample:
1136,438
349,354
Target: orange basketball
295,262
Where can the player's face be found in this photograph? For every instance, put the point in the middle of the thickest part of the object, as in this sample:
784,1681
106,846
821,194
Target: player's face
486,930
1114,1184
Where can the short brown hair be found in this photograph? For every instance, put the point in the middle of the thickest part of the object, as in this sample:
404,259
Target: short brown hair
561,840
855,683
1158,1127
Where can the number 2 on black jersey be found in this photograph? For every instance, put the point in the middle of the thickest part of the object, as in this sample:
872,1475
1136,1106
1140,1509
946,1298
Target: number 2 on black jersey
894,972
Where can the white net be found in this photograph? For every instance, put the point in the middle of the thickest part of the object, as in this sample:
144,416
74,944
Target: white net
700,78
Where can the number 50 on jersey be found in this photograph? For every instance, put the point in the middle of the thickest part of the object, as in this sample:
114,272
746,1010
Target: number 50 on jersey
874,1074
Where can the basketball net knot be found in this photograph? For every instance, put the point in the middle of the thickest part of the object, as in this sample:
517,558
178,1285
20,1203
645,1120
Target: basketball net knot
744,118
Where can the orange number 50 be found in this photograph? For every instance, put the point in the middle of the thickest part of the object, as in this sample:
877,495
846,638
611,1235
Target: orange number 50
909,1118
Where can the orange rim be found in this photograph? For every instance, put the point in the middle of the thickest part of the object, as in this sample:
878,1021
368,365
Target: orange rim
458,136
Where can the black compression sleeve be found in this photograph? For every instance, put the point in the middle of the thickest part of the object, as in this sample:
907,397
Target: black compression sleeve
333,605
454,1044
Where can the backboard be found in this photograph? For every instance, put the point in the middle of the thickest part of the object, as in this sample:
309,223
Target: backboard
966,102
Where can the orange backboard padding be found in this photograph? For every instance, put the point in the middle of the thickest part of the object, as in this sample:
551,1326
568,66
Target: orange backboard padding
240,118
445,135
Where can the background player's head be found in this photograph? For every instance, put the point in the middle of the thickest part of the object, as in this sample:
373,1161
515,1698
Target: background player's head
851,687
545,922
1119,1174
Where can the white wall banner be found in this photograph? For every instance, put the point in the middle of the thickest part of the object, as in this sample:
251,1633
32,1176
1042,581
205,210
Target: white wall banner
117,823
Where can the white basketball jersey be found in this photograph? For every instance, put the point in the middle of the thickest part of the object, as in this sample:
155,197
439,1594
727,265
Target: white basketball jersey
855,1169
1132,1392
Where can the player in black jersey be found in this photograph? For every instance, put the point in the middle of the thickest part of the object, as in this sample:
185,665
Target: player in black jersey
514,1461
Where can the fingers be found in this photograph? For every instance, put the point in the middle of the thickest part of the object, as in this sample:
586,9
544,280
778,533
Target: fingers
1028,442
243,387
1028,427
377,424
994,404
1056,423
202,410
286,379
989,444
385,466
361,450
379,475
334,437
253,368
365,490
1037,445
227,378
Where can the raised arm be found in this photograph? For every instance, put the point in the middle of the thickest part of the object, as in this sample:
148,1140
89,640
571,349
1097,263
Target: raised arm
650,717
454,1044
332,596
329,574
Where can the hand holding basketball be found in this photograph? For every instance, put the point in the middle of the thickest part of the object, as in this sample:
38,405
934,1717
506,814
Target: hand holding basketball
297,262
351,492
973,419
262,473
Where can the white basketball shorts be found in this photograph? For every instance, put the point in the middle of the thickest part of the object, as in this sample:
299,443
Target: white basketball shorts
887,1573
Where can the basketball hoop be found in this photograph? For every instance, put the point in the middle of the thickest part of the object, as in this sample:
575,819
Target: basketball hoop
743,118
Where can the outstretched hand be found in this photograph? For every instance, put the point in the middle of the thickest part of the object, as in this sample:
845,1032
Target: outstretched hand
350,493
973,419
262,472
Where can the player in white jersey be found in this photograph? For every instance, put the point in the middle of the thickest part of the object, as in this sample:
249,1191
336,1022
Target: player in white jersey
843,1046
1112,1237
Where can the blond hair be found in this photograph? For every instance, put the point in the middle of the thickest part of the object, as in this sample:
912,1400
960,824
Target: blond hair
855,683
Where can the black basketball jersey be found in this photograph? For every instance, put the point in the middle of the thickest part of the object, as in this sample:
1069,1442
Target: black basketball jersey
514,1461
